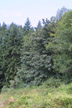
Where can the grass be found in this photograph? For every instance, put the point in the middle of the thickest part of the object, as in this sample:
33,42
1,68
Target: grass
38,97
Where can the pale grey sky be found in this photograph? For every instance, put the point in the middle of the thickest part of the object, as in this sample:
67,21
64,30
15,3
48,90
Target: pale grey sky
17,11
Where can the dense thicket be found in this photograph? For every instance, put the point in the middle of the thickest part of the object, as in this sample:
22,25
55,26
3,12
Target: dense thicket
29,56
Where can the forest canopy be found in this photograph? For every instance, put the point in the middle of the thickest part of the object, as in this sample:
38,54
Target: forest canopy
30,55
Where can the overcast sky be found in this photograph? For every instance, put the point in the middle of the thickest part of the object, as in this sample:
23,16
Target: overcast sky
17,11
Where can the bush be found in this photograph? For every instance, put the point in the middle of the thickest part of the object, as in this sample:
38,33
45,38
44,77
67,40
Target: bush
64,101
52,82
4,89
69,89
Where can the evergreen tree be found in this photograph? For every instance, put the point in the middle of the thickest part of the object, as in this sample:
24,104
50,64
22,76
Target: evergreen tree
13,52
36,60
39,26
27,27
3,30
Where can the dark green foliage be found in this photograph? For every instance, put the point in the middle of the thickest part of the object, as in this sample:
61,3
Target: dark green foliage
10,46
30,56
64,44
52,82
39,25
36,60
13,52
27,29
2,54
27,25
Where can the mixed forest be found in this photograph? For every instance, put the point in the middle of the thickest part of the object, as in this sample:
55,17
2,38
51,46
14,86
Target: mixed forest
31,55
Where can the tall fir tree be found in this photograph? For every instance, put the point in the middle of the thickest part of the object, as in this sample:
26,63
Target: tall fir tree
13,52
3,30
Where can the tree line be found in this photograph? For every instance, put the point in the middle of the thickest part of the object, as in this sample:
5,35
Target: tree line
30,55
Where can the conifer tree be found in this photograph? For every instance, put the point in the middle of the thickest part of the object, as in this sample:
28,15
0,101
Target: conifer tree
13,52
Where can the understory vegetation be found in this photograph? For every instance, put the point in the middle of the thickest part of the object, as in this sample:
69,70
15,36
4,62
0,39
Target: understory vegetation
48,95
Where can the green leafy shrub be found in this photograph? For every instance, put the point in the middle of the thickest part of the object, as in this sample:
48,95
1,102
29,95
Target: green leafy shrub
69,89
4,89
64,101
52,82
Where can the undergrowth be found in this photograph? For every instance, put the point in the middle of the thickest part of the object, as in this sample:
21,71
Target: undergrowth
51,94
